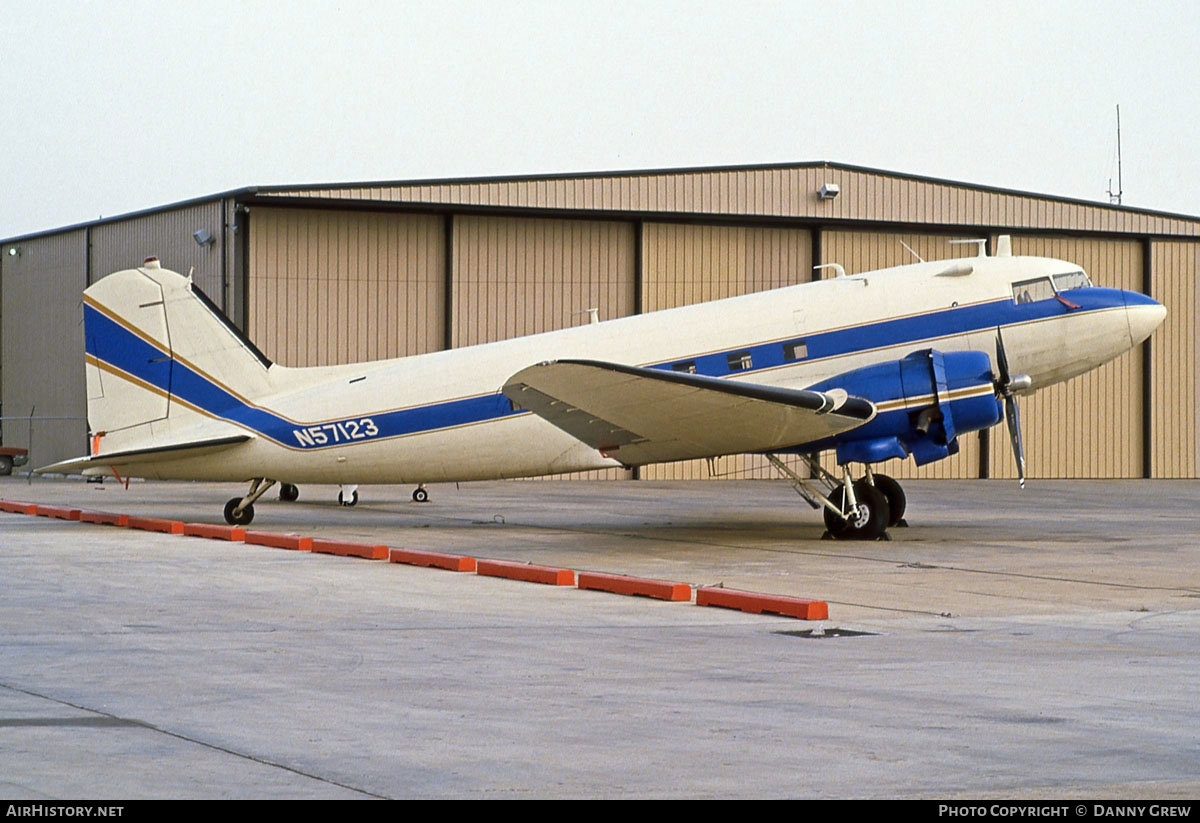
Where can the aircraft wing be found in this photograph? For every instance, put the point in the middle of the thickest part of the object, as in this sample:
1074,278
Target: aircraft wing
142,457
639,415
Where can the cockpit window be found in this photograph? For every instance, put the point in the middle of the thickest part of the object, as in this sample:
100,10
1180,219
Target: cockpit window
1030,291
1071,280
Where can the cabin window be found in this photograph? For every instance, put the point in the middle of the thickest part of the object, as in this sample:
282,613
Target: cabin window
1031,291
1071,280
796,350
740,361
686,366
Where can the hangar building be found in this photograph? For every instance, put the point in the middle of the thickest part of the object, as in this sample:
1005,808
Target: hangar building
340,273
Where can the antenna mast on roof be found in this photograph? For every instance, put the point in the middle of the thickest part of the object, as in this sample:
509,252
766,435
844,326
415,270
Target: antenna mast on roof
1116,197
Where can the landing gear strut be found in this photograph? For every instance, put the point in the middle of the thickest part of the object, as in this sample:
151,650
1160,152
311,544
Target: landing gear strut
853,509
239,511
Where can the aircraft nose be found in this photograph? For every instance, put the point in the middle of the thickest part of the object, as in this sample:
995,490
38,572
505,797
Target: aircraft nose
1144,315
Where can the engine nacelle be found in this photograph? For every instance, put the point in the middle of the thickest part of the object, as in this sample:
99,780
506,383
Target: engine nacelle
924,402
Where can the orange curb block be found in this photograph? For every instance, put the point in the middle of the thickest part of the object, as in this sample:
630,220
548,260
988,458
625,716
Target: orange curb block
279,541
61,512
526,572
453,562
341,548
104,518
213,532
758,603
620,584
18,508
156,524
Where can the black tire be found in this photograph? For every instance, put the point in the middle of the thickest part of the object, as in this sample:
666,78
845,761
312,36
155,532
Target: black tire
242,519
872,521
5,465
420,496
288,493
348,501
896,500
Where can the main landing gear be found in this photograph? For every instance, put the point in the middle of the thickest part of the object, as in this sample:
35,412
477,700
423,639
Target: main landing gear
348,494
860,509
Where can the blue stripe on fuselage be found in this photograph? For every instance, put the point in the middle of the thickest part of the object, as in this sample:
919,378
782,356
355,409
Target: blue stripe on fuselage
114,344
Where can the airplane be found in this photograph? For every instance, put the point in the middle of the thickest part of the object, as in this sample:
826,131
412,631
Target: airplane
894,363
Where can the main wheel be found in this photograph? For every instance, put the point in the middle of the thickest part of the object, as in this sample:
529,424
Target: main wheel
895,498
242,519
348,501
5,464
868,522
288,493
420,496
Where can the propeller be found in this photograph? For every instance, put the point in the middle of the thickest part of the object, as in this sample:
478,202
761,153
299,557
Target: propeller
1007,387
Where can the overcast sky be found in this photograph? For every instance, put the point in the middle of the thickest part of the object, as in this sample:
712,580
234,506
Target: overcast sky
109,107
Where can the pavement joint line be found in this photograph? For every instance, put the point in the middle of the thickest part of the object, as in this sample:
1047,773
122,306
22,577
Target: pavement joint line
195,741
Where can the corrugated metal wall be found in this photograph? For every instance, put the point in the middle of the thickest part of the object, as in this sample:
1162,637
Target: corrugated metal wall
685,264
168,236
1089,426
1175,410
42,345
783,191
330,287
514,276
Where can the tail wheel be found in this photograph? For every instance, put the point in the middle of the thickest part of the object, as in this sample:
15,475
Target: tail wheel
868,522
242,519
895,498
288,492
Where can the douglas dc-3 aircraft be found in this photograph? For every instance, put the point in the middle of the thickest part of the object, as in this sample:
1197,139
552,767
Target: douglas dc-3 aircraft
885,364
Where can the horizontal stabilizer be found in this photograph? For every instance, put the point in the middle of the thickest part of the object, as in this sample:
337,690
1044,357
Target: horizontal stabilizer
639,415
141,457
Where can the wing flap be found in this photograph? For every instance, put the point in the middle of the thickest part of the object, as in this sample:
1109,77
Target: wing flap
639,415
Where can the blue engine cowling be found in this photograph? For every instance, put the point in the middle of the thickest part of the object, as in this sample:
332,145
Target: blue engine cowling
924,402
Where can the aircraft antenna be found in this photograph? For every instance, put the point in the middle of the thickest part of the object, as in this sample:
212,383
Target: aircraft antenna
1115,197
920,259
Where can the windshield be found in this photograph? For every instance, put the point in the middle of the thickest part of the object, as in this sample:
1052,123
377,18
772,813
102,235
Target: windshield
1071,280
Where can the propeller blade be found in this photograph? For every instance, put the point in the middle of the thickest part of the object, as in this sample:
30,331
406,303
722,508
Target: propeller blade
1001,361
1005,384
1013,415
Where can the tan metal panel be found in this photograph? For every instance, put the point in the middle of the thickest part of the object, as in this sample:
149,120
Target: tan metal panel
41,351
1175,398
514,277
786,191
331,287
685,264
1089,426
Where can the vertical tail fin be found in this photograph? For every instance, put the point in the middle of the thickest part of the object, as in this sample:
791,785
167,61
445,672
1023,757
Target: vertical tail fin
161,359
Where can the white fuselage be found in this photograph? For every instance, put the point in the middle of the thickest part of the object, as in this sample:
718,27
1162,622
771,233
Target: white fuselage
846,323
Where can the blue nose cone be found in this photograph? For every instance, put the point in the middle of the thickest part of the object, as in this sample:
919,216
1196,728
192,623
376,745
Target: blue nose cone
1144,314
